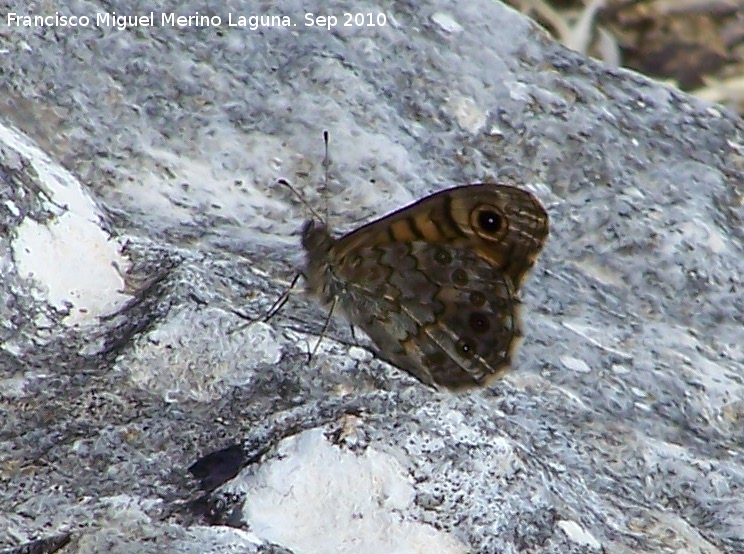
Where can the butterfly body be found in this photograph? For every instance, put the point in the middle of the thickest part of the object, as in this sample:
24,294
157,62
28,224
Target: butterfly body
435,284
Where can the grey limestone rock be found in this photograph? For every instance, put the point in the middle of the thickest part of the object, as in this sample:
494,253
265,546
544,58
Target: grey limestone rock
142,228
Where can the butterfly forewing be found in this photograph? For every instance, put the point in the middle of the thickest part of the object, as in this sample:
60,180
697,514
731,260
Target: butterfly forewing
452,216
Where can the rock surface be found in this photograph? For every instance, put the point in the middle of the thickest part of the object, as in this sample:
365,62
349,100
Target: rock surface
140,212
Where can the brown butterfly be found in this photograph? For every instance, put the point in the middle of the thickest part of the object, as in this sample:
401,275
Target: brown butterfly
435,284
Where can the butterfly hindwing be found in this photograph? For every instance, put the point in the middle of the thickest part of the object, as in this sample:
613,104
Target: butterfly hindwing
428,314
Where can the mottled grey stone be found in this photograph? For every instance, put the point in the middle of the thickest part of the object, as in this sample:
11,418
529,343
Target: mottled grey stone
620,428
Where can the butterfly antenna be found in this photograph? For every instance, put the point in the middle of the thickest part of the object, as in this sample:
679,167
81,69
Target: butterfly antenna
326,165
299,197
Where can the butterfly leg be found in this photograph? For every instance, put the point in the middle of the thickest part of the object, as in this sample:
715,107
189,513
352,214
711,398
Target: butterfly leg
271,312
311,355
282,300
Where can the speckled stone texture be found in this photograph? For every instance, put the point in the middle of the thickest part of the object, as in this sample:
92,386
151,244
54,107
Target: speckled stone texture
142,230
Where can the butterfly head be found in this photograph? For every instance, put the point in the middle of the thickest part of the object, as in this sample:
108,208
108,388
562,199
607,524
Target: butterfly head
315,237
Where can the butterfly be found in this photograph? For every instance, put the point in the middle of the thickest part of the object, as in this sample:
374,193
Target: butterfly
435,285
